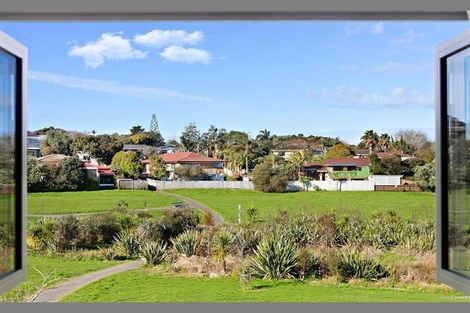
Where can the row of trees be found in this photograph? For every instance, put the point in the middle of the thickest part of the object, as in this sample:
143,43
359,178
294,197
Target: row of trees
408,141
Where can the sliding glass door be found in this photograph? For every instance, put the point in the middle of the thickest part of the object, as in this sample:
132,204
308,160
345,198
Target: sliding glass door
453,166
12,173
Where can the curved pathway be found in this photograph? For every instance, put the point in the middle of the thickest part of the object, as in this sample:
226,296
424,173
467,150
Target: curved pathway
57,292
216,217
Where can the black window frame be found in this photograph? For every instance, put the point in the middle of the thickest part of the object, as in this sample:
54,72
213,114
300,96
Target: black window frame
20,52
442,53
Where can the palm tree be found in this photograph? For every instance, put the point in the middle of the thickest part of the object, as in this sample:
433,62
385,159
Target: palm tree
384,141
298,160
264,135
212,140
370,140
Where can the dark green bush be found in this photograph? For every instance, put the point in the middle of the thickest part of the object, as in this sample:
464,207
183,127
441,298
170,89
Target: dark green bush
177,221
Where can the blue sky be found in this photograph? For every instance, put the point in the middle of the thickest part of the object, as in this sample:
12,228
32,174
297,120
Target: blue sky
322,78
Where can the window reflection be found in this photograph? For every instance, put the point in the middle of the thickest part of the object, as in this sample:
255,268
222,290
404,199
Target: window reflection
7,162
459,162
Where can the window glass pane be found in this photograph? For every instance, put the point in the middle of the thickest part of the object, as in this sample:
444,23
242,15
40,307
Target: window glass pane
458,77
7,162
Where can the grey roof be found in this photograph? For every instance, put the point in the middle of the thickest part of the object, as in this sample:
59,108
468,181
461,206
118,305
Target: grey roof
136,147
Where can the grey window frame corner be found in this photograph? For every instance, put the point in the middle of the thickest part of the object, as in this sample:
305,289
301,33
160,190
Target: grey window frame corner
18,50
441,53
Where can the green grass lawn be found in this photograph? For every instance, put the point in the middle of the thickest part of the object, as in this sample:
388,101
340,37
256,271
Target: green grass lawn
61,268
93,201
159,288
226,201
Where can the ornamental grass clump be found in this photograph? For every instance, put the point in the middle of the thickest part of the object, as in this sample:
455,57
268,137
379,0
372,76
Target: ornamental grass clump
154,252
275,258
186,243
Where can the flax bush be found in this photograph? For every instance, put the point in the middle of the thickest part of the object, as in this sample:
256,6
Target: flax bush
186,243
154,252
275,258
127,244
354,264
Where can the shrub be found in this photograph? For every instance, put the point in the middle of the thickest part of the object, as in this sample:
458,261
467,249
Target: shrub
190,172
275,258
127,244
177,221
154,252
308,265
425,176
150,230
67,232
355,264
420,236
42,234
186,243
268,178
92,184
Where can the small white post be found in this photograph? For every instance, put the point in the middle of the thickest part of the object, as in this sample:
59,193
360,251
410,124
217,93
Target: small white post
239,214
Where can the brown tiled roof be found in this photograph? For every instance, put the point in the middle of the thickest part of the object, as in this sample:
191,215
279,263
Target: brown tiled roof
185,157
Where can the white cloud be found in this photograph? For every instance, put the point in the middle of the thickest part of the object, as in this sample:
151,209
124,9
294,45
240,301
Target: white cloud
360,27
186,55
406,38
113,88
344,95
162,38
109,46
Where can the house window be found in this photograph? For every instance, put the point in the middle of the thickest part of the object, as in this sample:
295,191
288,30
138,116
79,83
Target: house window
12,155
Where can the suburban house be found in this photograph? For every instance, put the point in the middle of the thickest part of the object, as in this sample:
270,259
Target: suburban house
338,169
286,153
214,168
34,145
102,174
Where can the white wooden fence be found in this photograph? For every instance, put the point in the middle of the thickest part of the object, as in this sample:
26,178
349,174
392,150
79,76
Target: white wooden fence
209,184
333,185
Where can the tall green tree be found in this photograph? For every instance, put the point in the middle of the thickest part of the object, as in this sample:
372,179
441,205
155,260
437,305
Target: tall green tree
191,138
339,151
154,130
71,175
57,141
157,167
127,164
370,140
213,140
136,130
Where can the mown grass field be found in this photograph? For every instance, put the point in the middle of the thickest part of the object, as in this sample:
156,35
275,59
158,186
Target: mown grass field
226,201
61,269
93,201
163,288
